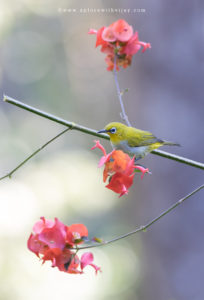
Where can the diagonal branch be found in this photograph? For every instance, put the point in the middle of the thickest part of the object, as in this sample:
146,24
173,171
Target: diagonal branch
149,224
33,154
94,132
51,117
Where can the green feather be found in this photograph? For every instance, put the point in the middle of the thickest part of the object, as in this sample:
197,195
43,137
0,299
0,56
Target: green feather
139,138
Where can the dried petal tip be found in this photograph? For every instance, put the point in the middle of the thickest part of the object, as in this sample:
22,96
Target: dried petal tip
142,170
92,31
99,146
97,240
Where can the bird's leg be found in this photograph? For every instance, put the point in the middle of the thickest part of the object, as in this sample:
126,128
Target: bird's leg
139,157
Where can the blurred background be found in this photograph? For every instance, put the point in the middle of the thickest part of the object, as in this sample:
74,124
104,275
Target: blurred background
50,62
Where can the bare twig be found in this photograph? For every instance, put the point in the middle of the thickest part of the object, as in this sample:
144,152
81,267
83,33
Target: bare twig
123,113
144,228
33,154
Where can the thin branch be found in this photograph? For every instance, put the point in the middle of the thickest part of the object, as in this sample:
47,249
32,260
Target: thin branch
94,132
51,117
123,114
144,228
178,158
33,154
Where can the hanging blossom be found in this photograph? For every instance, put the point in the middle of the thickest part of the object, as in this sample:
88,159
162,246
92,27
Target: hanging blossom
119,169
119,42
53,241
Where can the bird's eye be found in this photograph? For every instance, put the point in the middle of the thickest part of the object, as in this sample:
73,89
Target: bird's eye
113,130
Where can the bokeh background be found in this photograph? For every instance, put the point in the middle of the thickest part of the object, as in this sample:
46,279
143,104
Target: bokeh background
49,61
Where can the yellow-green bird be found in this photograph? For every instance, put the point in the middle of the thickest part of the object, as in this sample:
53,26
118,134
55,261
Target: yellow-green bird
133,141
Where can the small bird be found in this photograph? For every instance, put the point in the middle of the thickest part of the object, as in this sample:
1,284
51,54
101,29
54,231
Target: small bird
133,141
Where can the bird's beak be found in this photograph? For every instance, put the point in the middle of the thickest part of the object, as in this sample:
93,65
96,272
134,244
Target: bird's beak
102,131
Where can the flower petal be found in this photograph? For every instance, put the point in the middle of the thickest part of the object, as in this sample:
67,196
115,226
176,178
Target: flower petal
54,237
92,31
142,170
87,260
108,35
122,30
98,145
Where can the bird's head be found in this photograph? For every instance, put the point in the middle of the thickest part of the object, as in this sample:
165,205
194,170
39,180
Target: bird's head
116,131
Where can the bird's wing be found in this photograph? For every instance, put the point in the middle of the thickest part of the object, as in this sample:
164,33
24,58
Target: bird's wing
142,138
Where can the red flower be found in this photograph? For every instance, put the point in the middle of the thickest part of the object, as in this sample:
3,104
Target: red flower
134,45
54,241
120,183
75,233
117,40
118,163
99,40
65,261
119,168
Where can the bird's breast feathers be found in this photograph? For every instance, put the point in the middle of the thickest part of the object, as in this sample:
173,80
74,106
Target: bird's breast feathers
139,152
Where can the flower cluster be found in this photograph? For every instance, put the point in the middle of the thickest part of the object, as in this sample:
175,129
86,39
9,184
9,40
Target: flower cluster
119,42
119,169
54,241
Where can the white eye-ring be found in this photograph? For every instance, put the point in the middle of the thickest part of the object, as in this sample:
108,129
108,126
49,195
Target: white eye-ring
113,130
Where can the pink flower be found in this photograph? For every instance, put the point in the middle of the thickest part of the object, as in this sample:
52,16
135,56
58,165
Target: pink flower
119,43
108,34
108,49
122,30
53,237
35,245
87,260
65,260
99,39
47,234
134,45
142,170
53,241
92,31
42,224
105,157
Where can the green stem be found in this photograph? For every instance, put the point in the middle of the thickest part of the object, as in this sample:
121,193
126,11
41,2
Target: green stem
178,158
46,115
94,132
33,154
143,228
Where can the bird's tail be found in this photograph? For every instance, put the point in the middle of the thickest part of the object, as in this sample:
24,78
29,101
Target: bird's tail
170,143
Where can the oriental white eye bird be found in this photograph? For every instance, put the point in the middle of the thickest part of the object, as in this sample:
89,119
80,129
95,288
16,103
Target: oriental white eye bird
132,141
